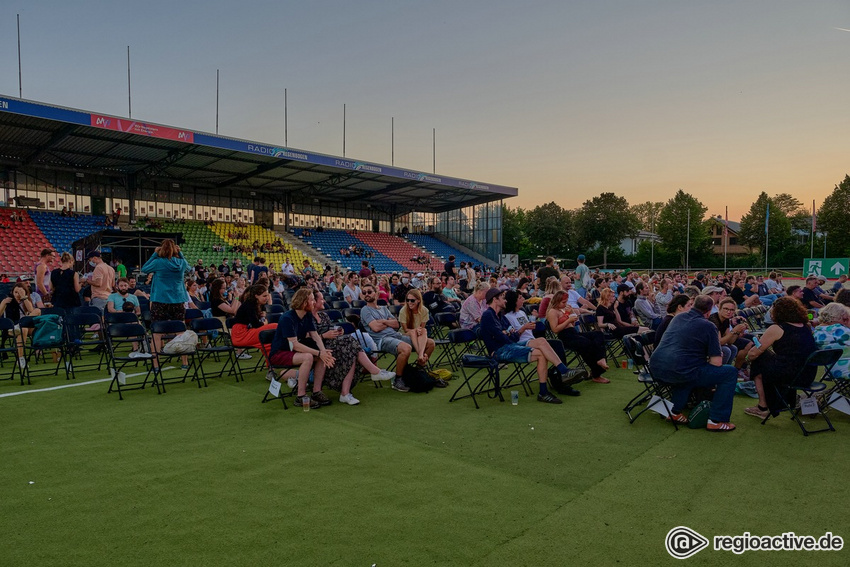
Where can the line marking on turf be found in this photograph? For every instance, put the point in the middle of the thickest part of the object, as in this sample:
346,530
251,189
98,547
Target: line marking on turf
74,385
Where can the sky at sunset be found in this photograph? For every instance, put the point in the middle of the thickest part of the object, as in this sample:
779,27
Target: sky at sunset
563,100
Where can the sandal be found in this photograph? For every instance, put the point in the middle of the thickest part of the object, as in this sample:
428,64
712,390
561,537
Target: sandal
678,418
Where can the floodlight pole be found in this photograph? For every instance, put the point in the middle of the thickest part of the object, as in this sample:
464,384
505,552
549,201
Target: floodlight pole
688,245
434,149
216,101
343,130
285,121
20,88
392,140
652,243
129,91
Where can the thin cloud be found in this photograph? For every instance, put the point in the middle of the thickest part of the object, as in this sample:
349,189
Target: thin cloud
841,29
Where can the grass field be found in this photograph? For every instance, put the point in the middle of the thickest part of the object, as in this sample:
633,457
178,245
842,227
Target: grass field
214,477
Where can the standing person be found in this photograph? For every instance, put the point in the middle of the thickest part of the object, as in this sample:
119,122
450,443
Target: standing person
102,280
168,292
449,267
365,272
42,274
583,281
65,283
120,269
548,271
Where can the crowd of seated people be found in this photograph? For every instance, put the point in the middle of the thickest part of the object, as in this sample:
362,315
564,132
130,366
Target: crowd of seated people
701,340
358,251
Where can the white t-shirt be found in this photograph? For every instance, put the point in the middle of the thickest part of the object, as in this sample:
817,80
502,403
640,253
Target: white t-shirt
517,320
351,294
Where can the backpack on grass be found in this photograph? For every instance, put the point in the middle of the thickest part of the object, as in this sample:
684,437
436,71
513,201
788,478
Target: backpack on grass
417,380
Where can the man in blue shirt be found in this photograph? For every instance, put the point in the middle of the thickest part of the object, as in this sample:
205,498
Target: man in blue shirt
689,357
501,342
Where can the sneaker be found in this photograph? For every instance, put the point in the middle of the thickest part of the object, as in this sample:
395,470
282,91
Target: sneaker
398,384
574,377
139,354
349,399
321,398
569,391
184,367
22,362
678,418
721,426
244,356
756,412
383,375
549,399
270,375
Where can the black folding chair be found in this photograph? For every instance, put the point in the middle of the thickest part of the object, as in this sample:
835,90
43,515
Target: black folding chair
121,340
273,317
486,370
335,315
274,308
358,303
443,323
654,392
266,339
78,335
340,305
217,344
820,358
351,311
168,331
36,347
7,329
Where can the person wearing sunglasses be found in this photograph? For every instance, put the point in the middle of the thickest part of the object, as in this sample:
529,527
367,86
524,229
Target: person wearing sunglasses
412,318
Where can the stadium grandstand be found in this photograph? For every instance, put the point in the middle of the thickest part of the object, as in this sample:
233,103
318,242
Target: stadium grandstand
66,174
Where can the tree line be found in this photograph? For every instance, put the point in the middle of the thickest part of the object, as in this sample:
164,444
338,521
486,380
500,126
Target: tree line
684,232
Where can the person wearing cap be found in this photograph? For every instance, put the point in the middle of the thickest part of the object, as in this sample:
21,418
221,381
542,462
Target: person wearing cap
716,293
501,340
583,281
101,279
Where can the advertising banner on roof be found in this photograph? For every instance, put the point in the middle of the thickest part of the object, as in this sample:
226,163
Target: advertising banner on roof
132,127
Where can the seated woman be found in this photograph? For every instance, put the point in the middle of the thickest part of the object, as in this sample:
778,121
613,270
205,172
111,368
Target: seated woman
18,304
833,331
732,340
412,320
347,353
742,300
192,290
608,316
553,286
383,289
589,346
250,318
792,342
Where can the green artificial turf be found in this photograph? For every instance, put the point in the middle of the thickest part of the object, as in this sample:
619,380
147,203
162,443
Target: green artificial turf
213,477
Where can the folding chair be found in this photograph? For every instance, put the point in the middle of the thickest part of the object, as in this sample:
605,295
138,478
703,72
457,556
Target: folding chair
443,323
260,362
335,315
825,358
351,311
217,344
461,341
169,330
266,338
488,384
340,304
613,345
358,303
122,318
7,329
78,336
121,339
33,347
654,392
273,317
274,308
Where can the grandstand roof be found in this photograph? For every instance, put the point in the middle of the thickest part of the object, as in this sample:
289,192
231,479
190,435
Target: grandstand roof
37,134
